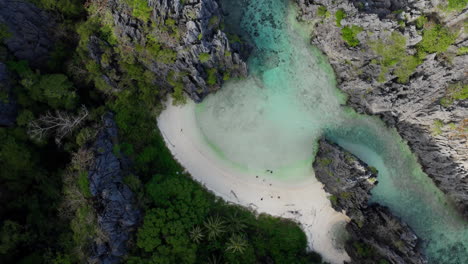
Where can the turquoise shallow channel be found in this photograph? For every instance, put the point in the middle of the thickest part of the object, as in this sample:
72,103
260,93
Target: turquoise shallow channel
272,120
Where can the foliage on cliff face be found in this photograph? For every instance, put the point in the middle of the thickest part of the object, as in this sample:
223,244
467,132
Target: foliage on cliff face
392,54
390,50
140,9
454,92
421,21
339,15
349,35
323,12
204,57
456,5
436,39
69,8
120,64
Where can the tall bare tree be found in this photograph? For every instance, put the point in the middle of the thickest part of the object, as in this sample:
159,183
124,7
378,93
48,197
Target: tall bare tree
59,124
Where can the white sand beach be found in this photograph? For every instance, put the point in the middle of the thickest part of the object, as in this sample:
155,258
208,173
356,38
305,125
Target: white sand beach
304,200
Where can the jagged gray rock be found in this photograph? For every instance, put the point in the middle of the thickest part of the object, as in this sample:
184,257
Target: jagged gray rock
350,181
117,215
198,23
31,31
382,8
8,106
412,107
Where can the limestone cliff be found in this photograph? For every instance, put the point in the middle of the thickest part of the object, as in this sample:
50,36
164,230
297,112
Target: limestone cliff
117,215
376,235
30,29
186,45
435,131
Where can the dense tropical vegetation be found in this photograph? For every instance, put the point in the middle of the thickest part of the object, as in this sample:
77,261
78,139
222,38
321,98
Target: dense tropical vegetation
48,213
44,175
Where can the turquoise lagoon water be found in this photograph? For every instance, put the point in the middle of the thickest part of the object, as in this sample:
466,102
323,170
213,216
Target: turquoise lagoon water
273,119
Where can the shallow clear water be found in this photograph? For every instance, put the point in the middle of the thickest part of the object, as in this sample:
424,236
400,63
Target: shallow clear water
273,119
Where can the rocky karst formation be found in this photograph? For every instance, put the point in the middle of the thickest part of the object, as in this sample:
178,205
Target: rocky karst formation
31,31
28,36
375,234
28,33
380,7
204,56
116,212
437,133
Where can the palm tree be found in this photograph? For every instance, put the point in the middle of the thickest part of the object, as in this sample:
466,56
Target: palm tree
236,223
237,244
214,260
196,234
214,226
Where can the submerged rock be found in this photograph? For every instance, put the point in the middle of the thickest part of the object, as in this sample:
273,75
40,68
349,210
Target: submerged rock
375,234
30,30
435,133
117,215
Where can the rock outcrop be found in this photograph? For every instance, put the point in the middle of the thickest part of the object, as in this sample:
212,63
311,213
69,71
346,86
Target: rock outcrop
30,31
376,234
8,106
382,8
203,55
117,215
437,134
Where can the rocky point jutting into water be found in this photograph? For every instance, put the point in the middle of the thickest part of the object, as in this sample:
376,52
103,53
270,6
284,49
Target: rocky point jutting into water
411,89
375,234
